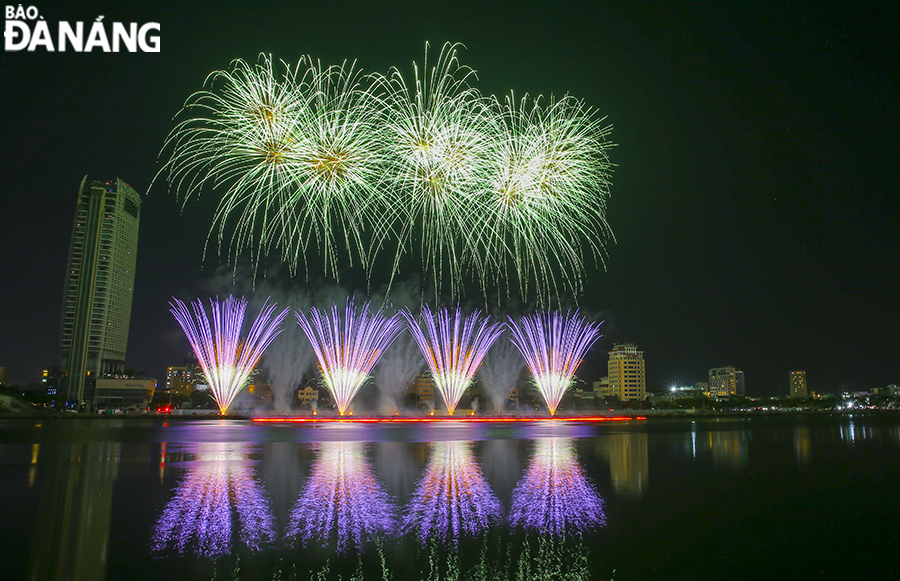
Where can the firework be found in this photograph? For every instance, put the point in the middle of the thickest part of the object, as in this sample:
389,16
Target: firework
239,136
438,129
200,514
297,153
347,345
337,161
226,358
324,161
553,346
452,499
454,347
546,199
342,499
555,497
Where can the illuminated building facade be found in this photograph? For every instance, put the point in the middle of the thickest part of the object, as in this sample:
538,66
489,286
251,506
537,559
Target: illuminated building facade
725,382
627,374
113,392
307,395
601,387
798,384
423,388
99,287
183,379
3,376
178,381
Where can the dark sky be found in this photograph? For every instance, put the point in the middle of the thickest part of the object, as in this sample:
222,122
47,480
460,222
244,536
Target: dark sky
754,204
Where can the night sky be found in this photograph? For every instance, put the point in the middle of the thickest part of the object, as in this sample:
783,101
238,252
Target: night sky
754,202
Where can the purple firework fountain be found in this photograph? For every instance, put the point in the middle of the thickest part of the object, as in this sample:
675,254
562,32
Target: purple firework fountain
454,347
347,346
452,499
226,358
555,497
553,346
342,499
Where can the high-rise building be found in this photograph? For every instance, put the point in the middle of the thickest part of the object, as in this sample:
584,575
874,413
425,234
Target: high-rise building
726,381
2,376
99,287
798,384
626,373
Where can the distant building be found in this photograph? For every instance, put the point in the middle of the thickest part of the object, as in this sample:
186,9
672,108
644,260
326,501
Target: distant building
183,379
627,374
423,389
797,380
601,387
696,390
50,380
890,390
725,382
99,287
307,395
119,393
3,373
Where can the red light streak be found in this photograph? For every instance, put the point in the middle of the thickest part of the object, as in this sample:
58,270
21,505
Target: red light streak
469,419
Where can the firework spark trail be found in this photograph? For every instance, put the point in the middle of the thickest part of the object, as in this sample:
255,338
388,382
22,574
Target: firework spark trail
301,154
227,359
347,345
454,347
553,346
438,129
555,497
338,161
342,499
219,482
452,499
546,199
239,136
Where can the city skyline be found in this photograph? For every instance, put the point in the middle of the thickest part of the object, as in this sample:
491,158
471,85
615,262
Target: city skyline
751,201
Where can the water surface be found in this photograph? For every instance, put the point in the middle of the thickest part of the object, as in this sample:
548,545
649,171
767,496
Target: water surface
716,498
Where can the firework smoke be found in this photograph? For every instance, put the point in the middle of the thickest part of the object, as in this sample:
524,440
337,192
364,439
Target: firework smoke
288,359
499,373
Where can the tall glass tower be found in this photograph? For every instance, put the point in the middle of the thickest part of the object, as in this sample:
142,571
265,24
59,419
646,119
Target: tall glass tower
99,287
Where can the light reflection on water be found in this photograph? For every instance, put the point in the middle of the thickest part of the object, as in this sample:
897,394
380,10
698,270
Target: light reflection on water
146,501
555,498
452,498
342,501
219,482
